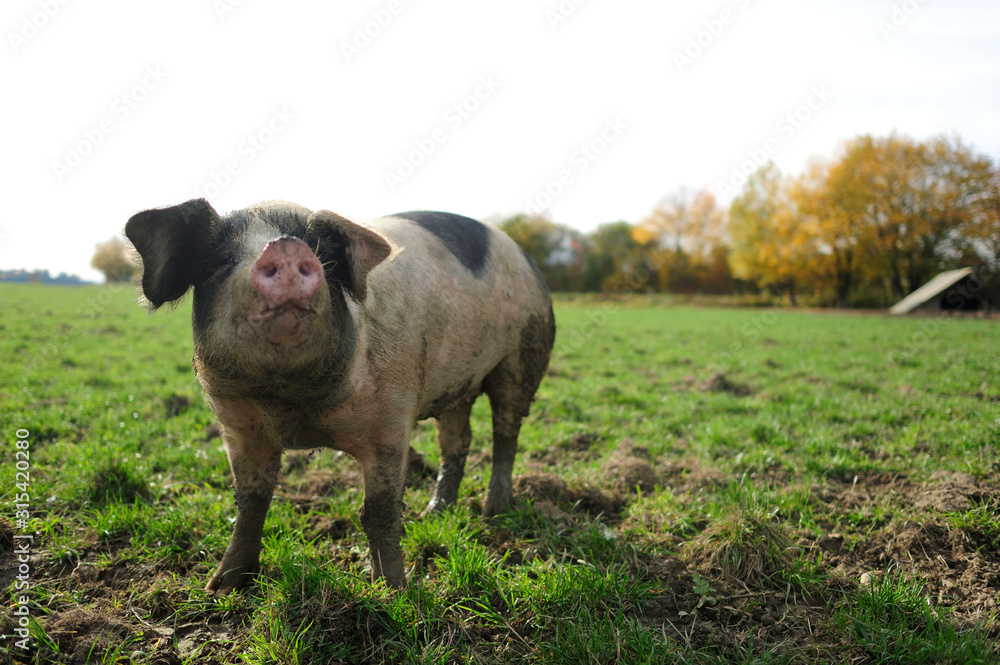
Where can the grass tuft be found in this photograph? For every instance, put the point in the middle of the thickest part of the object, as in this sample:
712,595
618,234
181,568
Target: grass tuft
116,482
745,543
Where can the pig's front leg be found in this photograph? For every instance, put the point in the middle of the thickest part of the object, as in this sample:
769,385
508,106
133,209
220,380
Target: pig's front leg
255,462
384,468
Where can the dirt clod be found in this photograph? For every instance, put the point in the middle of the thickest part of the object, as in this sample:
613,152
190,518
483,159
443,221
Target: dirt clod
541,487
719,383
175,404
631,472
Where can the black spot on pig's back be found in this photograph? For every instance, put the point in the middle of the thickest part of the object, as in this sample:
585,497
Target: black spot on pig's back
467,239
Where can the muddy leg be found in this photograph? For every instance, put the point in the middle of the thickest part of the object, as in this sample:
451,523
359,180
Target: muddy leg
454,436
506,426
255,471
511,386
509,403
382,511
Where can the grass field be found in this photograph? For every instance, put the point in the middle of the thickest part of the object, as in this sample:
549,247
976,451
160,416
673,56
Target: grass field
695,485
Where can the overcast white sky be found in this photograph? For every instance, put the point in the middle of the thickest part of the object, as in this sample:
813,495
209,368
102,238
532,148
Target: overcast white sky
593,109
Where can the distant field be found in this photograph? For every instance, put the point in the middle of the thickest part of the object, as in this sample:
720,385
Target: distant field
695,485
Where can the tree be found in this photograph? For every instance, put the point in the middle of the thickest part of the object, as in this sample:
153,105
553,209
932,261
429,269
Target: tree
828,234
873,224
614,259
682,234
868,226
985,227
559,251
718,277
112,259
776,243
910,209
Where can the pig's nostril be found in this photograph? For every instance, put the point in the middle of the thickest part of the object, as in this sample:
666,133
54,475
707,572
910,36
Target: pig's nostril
287,271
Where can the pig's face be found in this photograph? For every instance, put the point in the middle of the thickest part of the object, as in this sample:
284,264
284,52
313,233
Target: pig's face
264,304
270,283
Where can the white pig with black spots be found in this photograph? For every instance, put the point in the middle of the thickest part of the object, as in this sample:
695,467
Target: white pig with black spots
312,330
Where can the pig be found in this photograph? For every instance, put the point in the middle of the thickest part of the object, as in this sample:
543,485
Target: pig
313,330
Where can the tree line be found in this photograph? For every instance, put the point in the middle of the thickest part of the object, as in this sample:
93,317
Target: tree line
864,228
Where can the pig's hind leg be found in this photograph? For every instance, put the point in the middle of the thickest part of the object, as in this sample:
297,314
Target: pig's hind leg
511,386
454,436
509,408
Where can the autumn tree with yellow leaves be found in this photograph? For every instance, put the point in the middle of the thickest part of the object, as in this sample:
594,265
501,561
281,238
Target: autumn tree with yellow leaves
772,244
867,227
872,225
685,241
911,208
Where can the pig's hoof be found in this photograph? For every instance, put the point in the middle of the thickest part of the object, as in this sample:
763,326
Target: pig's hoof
436,505
226,581
397,582
495,505
390,569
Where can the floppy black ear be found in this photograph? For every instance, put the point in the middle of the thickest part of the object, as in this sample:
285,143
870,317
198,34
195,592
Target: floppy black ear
363,248
173,244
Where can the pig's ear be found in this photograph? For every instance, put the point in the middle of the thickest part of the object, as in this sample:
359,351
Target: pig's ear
172,243
364,248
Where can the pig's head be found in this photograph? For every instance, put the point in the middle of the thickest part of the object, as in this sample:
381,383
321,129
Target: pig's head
271,283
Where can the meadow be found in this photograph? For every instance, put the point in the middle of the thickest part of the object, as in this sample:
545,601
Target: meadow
694,485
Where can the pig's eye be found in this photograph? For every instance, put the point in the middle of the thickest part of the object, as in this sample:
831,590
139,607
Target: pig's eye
223,264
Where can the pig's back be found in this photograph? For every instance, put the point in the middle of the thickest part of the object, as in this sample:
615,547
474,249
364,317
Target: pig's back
458,294
445,257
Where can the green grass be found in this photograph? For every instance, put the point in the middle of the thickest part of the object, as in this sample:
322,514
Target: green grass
894,622
696,485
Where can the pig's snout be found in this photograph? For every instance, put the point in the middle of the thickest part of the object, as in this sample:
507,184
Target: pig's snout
287,272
